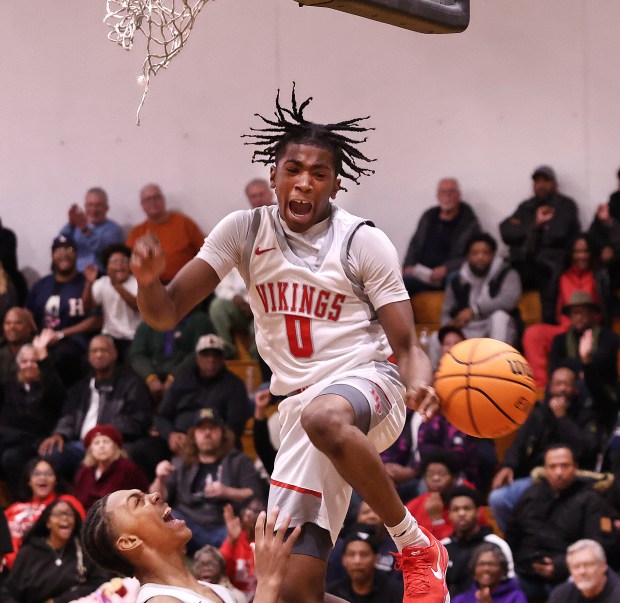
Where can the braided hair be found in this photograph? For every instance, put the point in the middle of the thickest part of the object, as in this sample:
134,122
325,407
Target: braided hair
290,126
98,540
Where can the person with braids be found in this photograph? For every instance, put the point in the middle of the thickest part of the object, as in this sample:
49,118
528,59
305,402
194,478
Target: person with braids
51,566
132,533
331,312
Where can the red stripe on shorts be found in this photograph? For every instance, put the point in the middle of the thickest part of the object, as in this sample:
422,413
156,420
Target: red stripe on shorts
296,488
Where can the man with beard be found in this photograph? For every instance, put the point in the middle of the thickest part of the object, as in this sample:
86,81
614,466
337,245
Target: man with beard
208,474
481,296
539,233
56,303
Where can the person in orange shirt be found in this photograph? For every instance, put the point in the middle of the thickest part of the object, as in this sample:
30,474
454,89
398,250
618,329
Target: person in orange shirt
179,235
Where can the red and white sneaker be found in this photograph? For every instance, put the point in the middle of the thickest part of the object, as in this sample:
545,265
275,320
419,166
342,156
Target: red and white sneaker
424,572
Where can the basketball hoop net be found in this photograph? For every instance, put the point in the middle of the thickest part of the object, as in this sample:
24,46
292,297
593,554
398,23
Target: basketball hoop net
166,24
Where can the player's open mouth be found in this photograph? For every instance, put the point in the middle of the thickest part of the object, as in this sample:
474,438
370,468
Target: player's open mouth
300,208
167,516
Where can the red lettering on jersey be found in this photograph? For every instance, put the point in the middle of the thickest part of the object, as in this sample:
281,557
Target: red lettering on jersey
321,303
273,297
282,304
260,289
307,295
294,302
336,307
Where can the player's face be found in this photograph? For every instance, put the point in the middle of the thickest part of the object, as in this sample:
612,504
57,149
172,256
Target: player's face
560,468
95,207
359,560
146,517
463,514
304,180
587,571
488,570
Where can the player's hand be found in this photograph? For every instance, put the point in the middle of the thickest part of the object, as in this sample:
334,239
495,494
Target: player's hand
271,555
423,399
544,567
504,476
147,260
233,523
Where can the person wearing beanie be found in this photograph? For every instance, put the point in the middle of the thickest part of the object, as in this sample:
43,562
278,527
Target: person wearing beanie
105,467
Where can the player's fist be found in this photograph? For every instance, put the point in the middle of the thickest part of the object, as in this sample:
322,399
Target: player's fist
147,260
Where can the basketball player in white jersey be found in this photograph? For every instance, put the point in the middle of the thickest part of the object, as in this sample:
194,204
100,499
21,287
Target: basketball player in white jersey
132,533
330,311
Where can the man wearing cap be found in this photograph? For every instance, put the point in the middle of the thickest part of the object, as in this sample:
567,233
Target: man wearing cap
363,582
564,415
110,394
209,474
539,233
594,350
91,229
56,303
206,383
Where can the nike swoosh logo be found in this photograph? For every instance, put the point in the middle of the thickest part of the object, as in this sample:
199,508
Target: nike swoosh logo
437,572
260,251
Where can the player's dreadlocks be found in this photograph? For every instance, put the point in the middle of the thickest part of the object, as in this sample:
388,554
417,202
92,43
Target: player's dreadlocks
290,126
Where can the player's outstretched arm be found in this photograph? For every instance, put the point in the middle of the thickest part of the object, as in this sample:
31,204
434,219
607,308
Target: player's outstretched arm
163,307
413,364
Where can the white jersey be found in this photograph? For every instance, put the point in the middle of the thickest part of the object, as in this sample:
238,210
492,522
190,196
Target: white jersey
314,308
148,591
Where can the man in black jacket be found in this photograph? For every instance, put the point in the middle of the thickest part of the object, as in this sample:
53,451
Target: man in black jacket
463,504
206,383
539,234
111,394
553,513
591,578
438,244
562,417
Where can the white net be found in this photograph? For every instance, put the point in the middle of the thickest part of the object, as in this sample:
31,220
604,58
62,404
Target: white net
166,24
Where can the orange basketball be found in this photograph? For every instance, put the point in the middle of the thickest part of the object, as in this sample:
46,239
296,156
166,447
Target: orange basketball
485,387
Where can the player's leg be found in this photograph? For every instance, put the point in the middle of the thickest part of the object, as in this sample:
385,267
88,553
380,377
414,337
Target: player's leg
337,426
330,422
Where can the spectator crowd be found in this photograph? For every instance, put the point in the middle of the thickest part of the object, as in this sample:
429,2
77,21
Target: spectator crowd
93,400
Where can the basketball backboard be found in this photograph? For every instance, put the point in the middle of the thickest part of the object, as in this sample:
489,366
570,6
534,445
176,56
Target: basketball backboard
424,16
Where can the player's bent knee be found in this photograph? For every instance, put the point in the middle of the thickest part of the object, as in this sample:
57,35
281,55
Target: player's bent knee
324,427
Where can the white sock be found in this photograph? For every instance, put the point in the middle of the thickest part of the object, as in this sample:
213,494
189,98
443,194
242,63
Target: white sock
407,533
